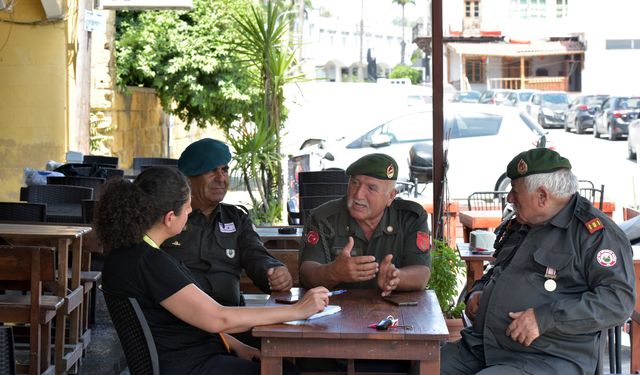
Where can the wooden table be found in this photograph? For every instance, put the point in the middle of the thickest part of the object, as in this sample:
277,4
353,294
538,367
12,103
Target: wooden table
274,240
472,220
67,240
346,335
474,262
451,217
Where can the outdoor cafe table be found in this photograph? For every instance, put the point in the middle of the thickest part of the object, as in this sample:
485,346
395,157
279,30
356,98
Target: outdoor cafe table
346,333
474,262
272,239
66,239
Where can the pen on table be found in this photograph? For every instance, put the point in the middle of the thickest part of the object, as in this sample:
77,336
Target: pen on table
336,292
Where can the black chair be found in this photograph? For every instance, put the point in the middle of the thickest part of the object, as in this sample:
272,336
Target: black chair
64,202
91,182
316,188
134,334
7,351
139,162
420,168
102,160
23,211
487,200
114,172
595,196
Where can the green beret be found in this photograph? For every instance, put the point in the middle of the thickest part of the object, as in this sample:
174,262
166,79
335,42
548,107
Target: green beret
379,166
203,156
536,160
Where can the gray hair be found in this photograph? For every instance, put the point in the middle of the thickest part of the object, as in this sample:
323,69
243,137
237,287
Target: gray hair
561,183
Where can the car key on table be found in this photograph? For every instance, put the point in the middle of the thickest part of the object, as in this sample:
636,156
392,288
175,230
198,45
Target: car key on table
385,323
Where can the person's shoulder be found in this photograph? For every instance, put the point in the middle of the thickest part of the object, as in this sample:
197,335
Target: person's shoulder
591,219
328,209
408,206
234,209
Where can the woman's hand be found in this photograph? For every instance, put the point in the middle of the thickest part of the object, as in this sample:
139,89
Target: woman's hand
242,350
313,301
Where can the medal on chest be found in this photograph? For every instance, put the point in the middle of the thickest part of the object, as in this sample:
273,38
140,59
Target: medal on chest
550,282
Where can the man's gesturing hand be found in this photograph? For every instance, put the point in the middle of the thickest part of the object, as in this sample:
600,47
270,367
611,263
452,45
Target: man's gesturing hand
389,276
346,268
524,327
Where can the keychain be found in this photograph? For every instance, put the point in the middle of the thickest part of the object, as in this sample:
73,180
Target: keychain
388,322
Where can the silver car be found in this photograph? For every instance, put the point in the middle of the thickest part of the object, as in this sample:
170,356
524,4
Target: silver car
482,140
549,108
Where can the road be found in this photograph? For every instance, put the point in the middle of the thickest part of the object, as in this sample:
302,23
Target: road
602,162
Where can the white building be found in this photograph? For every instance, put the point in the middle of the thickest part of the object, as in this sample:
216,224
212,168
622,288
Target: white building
575,45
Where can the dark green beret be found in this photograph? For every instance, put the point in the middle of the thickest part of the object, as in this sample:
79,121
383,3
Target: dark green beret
202,156
536,160
380,166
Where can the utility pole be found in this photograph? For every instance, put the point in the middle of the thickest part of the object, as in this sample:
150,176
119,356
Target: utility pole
402,44
361,30
300,32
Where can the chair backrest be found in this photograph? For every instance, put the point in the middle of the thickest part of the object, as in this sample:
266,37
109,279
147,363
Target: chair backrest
585,184
88,206
58,193
134,334
139,162
318,187
100,159
487,200
23,211
22,263
114,172
595,196
7,351
91,182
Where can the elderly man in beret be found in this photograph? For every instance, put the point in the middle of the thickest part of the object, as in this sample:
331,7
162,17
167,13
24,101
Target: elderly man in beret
219,240
563,272
368,239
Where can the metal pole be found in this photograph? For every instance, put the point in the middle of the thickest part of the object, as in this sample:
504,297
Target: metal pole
438,118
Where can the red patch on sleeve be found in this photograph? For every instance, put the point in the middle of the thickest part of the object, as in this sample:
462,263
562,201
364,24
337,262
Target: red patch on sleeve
313,237
422,241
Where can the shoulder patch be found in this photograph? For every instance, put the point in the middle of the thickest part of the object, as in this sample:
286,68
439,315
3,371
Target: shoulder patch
312,238
422,241
594,225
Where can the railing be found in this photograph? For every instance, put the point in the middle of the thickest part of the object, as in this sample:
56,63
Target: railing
539,83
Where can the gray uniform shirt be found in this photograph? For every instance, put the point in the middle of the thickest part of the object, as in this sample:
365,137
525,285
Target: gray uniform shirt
595,289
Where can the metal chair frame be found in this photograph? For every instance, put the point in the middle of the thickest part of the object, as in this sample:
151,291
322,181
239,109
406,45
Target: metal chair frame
487,200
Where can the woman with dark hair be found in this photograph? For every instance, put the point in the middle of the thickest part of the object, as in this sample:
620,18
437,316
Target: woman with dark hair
131,220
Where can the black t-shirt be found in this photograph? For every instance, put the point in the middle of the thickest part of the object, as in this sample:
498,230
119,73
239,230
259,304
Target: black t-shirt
150,276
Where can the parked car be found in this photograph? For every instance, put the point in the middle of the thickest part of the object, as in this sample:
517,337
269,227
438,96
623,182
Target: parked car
520,98
549,107
581,112
616,114
495,96
466,97
633,139
482,141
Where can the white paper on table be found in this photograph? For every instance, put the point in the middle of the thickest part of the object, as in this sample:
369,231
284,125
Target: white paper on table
329,310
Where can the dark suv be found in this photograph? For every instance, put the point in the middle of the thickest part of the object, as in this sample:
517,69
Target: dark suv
581,112
616,114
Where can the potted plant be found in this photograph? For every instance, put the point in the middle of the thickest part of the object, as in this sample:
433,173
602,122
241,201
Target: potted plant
446,270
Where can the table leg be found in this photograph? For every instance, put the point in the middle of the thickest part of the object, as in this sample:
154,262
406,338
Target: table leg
271,365
63,263
428,367
465,233
475,269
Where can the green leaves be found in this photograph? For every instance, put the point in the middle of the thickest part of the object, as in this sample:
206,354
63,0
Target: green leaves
446,268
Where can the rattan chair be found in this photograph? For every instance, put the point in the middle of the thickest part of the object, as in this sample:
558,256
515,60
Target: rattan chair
139,162
63,201
23,211
101,160
134,334
7,351
319,187
91,182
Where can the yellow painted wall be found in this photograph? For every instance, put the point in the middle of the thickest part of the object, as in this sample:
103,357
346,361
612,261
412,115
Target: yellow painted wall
33,93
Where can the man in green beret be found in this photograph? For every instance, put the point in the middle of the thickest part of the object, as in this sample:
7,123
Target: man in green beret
367,239
563,271
219,241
